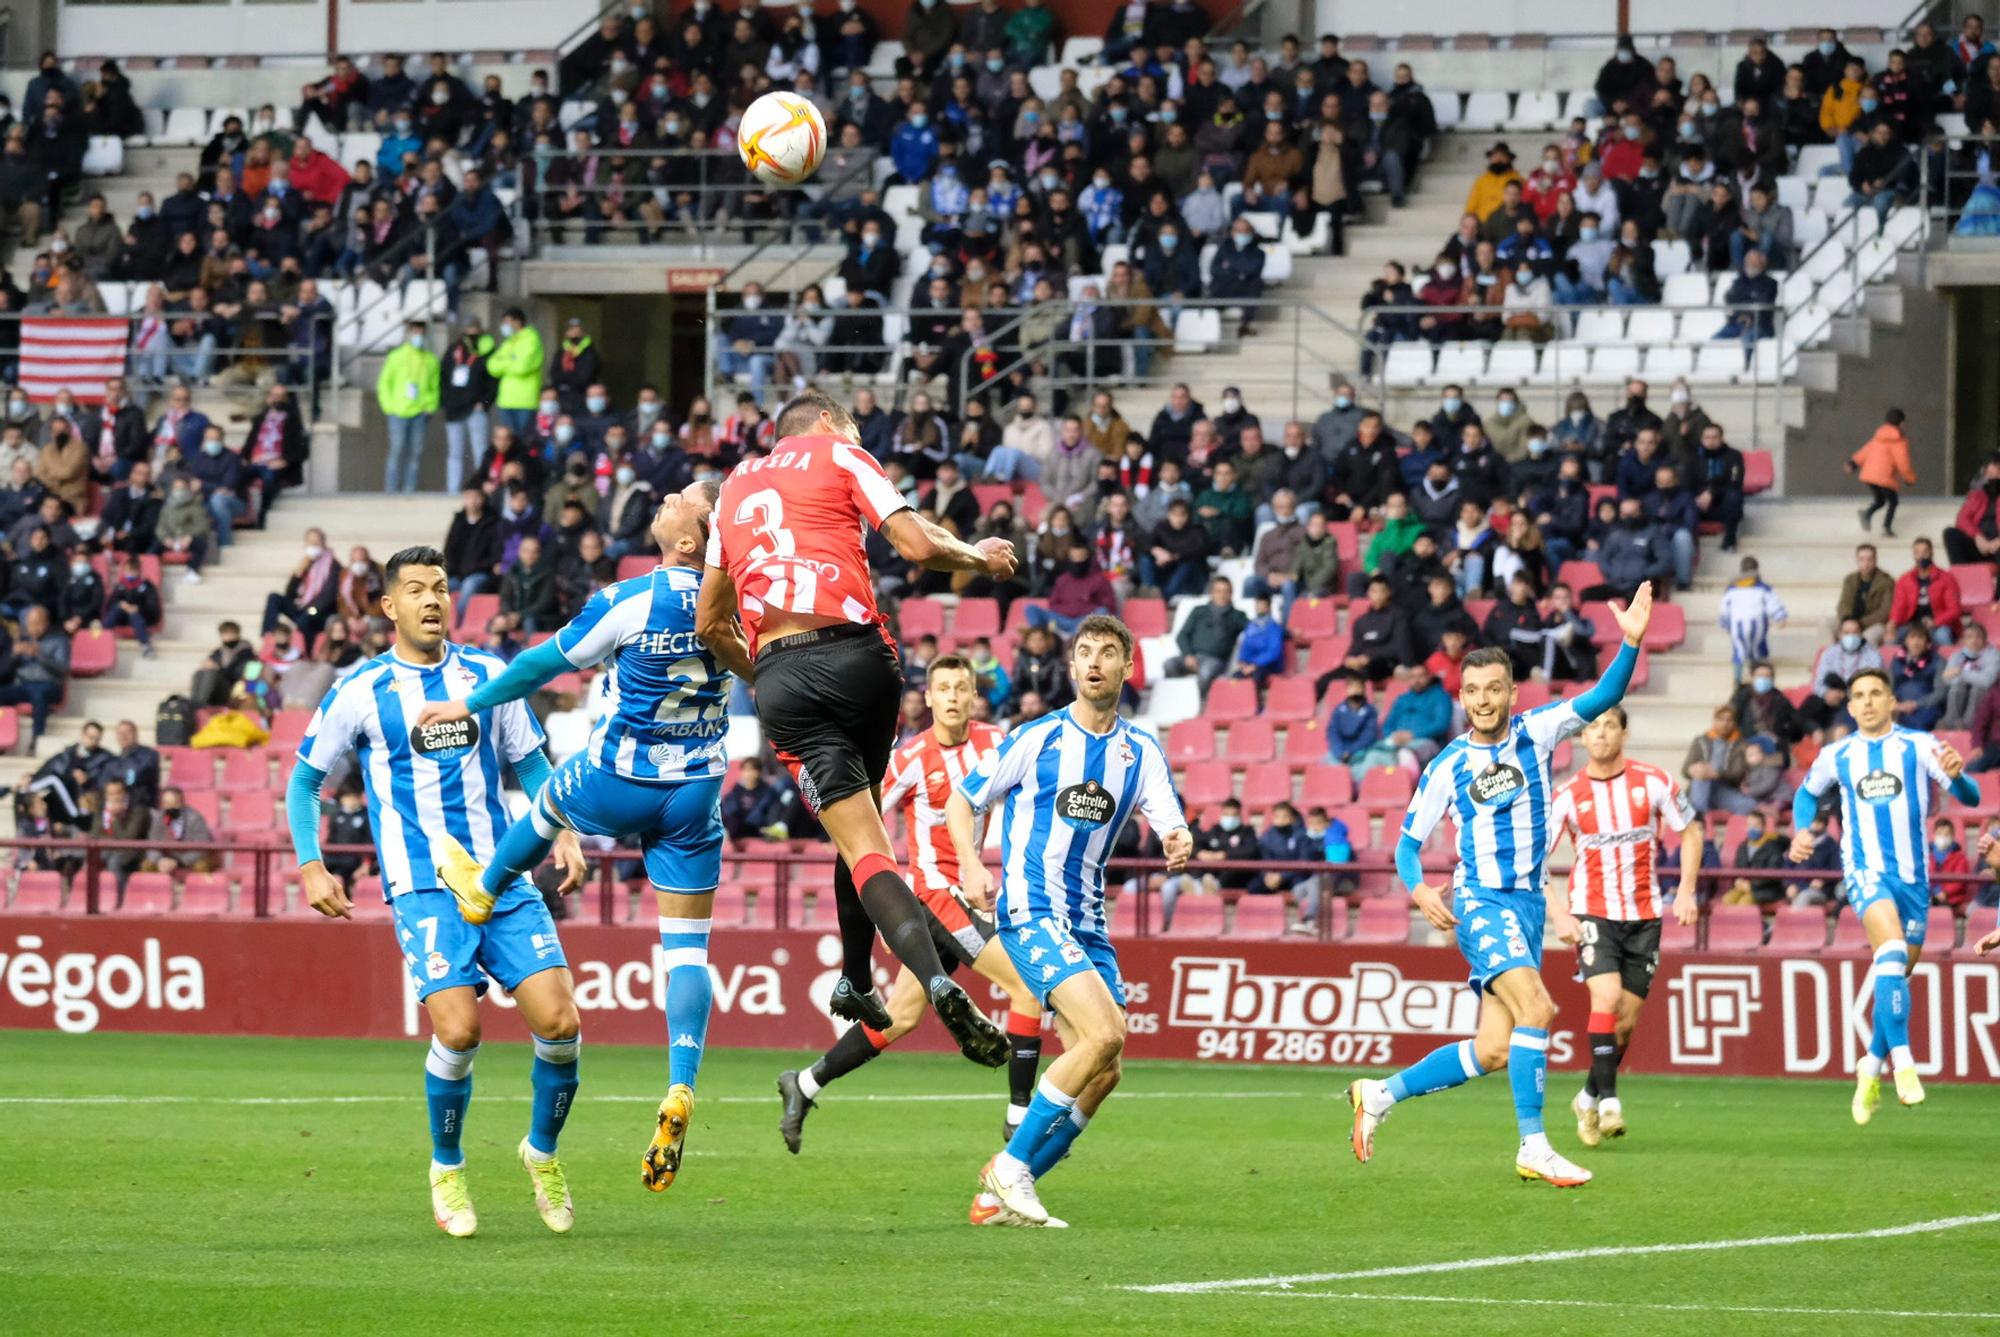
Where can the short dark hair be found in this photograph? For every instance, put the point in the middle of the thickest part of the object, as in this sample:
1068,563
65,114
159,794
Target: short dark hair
804,409
1880,675
418,556
954,661
1105,625
1617,710
1489,656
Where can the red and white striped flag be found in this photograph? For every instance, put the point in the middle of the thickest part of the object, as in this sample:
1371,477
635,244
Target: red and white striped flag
69,353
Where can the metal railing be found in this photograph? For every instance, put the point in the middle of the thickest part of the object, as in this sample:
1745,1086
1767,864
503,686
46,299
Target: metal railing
1135,903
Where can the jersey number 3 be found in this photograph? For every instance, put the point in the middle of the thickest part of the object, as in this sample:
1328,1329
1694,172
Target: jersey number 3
792,586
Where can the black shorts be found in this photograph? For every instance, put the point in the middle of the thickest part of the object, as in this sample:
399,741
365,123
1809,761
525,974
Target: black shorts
827,701
1628,948
959,946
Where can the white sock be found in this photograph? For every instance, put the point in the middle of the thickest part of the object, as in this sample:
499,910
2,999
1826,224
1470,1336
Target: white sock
540,1157
1900,1058
1587,1100
435,1166
1016,1113
1610,1105
1869,1066
1535,1143
809,1084
1006,1164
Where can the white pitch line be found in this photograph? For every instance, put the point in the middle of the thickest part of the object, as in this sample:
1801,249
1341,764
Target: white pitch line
1565,1256
909,1099
1540,1302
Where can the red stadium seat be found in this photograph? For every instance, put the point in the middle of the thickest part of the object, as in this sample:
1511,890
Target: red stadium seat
1759,472
1249,741
1330,787
1386,787
1668,628
1849,935
10,729
367,897
1143,617
147,894
477,611
1260,917
1305,744
1190,740
206,802
254,812
39,892
245,772
1676,939
1208,782
1941,932
1735,928
1580,576
1383,923
1798,930
1313,620
288,729
731,907
1033,503
205,894
188,769
1531,695
1231,699
1289,700
1017,613
92,653
1266,785
1196,916
639,565
1989,787
975,617
1603,627
1480,609
920,616
1975,583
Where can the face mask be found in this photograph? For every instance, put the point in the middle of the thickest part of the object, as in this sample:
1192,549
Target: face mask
1168,241
996,65
1578,417
59,246
1760,685
1447,272
1242,240
1586,234
402,127
1624,56
871,239
564,434
1851,642
180,494
661,440
507,329
358,568
1552,165
1923,563
1869,104
1537,446
79,569
1050,180
1753,833
1631,132
539,89
1942,844
1827,49
625,475
414,340
1231,404
1635,523
920,120
1452,404
703,99
550,408
595,403
751,301
1707,109
314,552
440,96
1169,116
211,447
1101,182
1230,823
143,212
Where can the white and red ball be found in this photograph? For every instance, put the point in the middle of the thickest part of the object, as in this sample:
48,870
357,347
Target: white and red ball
782,139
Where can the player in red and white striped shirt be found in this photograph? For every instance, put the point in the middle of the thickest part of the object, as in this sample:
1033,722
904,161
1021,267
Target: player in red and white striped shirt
922,773
1617,811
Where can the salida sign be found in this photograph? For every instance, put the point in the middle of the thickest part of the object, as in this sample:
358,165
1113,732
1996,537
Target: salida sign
1279,1002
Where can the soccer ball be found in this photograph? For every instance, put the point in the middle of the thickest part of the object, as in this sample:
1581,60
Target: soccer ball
781,139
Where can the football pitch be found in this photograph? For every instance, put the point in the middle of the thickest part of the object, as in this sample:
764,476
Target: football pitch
209,1185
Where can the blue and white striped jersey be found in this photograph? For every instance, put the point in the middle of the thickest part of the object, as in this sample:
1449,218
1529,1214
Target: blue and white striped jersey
663,706
1500,796
1885,801
447,780
1068,794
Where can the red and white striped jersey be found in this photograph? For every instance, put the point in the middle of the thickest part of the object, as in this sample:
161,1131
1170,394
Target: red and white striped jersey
1616,823
922,774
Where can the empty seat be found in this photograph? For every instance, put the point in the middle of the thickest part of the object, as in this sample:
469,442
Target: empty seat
1408,364
1290,699
1650,326
39,892
1459,362
1794,192
1848,934
1603,325
1798,929
1190,741
1386,787
244,771
1447,108
1329,787
1669,363
1671,258
1815,159
1484,111
1535,112
1249,741
1511,363
1232,699
147,894
1609,364
189,769
1735,928
1143,617
1208,782
1196,916
185,126
1383,922
1260,917
1267,784
92,653
205,894
1685,290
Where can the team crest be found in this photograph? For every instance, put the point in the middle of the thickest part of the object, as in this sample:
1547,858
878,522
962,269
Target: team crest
436,966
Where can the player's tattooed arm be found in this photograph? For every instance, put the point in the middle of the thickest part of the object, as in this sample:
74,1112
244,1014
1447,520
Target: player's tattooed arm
715,623
936,548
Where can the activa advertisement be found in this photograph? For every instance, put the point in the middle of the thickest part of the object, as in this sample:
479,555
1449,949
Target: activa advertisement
1278,1002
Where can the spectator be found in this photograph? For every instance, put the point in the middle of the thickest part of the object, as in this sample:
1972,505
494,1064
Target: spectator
1763,225
1848,655
1715,766
753,806
1081,590
1416,728
222,668
1378,638
1762,848
185,529
63,465
1275,568
1229,840
346,826
1177,560
408,392
1633,551
1207,639
1489,188
1353,727
222,476
1750,608
133,603
1568,652
1041,671
38,672
1765,712
308,597
1752,303
1975,535
1884,173
81,603
1718,484
1883,465
1583,435
1285,841
118,818
1969,673
516,368
466,392
472,550
1947,859
529,590
1260,650
1227,511
1927,598
1515,625
1915,678
1867,594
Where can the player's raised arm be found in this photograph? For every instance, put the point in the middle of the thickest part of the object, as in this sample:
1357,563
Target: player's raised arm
1947,767
1609,690
935,548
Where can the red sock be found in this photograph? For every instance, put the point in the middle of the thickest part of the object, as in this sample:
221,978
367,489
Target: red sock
875,1037
1020,1025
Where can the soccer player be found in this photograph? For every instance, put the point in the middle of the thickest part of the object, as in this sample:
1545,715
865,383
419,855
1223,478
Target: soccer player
921,776
1617,809
427,785
1494,780
652,771
1069,782
788,580
1884,773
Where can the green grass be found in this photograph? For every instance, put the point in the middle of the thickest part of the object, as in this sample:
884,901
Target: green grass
195,1215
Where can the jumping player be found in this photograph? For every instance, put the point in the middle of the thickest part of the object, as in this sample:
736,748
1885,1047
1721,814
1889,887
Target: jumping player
788,581
1884,773
1494,779
921,777
653,770
427,784
1069,782
1617,809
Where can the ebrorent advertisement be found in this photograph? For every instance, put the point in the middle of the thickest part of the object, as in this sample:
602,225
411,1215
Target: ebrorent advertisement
1224,1002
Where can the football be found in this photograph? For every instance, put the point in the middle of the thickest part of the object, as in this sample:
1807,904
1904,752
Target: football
782,139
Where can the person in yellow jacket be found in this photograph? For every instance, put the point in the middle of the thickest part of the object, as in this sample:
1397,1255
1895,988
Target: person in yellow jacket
1485,195
407,390
516,365
1842,106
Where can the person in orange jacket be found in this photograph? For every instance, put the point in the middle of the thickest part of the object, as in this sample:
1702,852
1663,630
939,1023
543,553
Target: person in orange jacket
1883,462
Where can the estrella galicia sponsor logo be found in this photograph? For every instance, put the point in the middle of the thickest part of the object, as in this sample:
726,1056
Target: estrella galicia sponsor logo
1879,787
452,738
1498,784
1087,804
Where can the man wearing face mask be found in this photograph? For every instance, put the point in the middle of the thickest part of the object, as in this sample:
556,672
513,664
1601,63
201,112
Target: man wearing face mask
1848,655
575,368
1621,78
1488,190
407,391
516,366
627,513
1974,536
1510,427
1333,429
1928,598
914,147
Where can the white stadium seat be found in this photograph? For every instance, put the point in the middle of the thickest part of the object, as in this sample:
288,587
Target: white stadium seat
1817,159
882,60
104,155
357,146
1577,103
1484,111
1794,192
1564,361
1830,195
1700,324
1650,327
1614,364
185,125
1602,325
1534,112
1265,224
1081,50
1670,258
1903,227
1458,362
1685,290
1716,364
1665,364
1407,364
1809,229
1445,106
1510,363
1197,331
1277,264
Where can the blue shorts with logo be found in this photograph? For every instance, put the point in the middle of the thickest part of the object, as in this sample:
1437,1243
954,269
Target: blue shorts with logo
1045,952
444,952
1498,931
1866,888
678,825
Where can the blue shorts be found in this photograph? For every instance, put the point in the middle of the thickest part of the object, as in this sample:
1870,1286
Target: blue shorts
678,825
1866,888
444,952
1498,931
1045,952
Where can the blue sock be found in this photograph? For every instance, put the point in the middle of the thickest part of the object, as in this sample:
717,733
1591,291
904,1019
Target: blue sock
448,1090
1047,1112
553,1077
1528,1074
521,849
684,951
1892,997
1056,1145
1440,1070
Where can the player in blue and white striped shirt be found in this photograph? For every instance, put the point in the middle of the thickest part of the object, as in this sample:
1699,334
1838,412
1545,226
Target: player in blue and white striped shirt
1068,784
1884,773
652,771
1495,782
430,786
